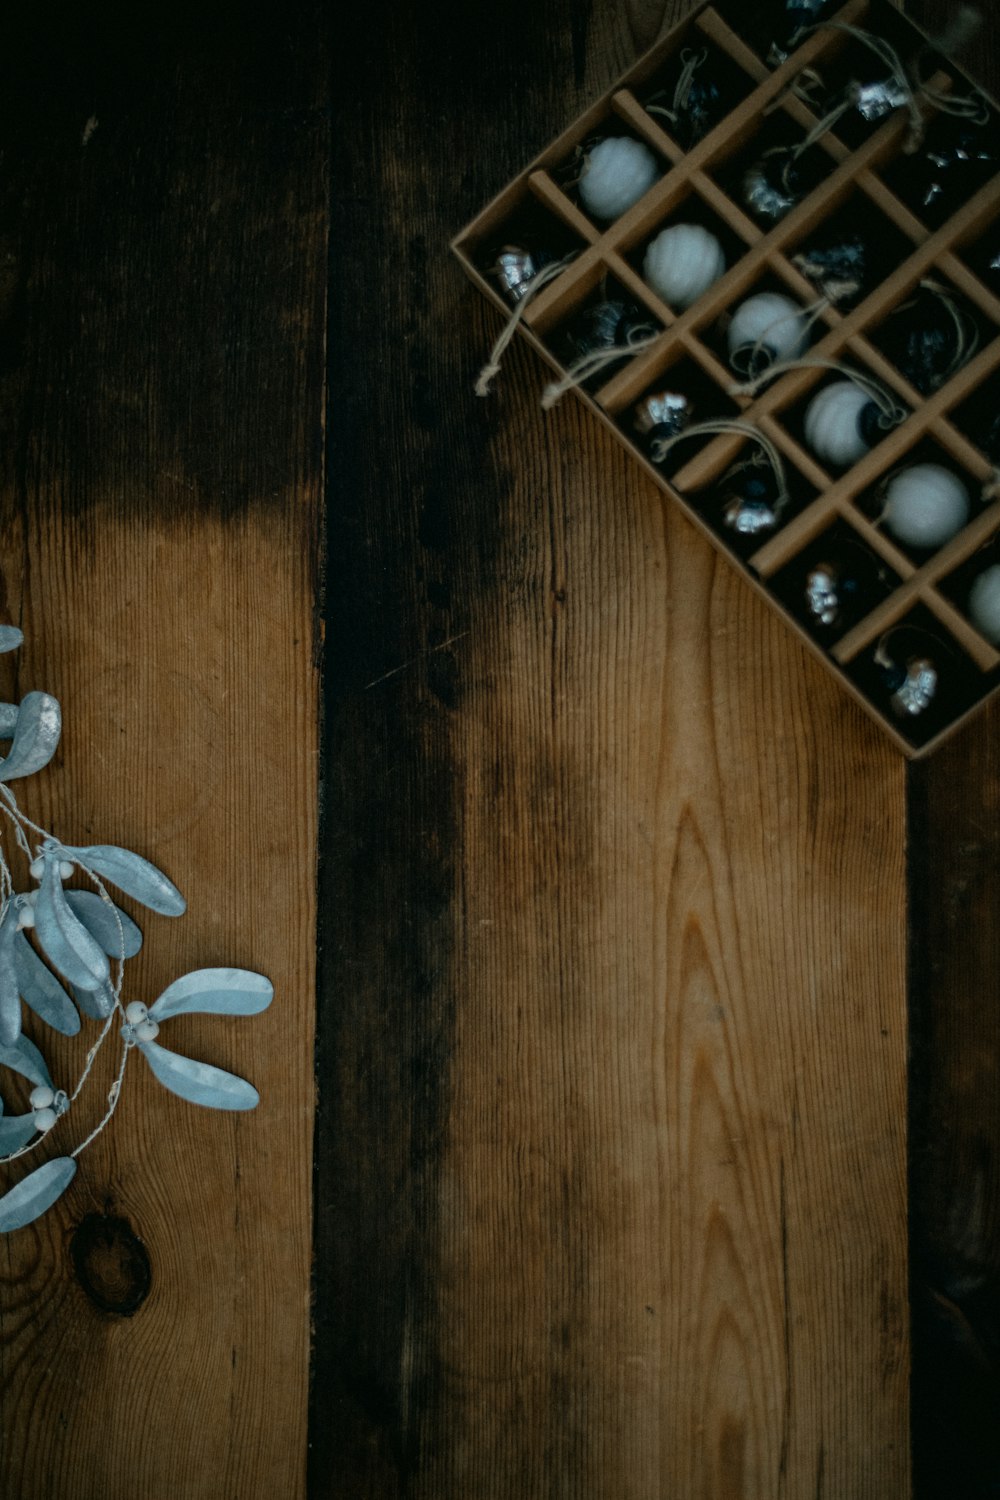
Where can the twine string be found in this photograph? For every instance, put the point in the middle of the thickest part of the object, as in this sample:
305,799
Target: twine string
888,55
589,364
491,369
891,413
722,426
692,62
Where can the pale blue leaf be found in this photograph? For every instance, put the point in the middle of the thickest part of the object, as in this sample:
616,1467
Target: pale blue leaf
226,992
35,1193
198,1082
97,1004
10,638
8,720
41,989
36,735
133,875
101,920
16,1131
10,997
25,1058
63,937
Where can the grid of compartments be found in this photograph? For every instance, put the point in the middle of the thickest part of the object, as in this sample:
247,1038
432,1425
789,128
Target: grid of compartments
905,604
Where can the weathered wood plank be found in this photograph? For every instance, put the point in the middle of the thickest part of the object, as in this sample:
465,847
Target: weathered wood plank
612,1169
163,211
955,1119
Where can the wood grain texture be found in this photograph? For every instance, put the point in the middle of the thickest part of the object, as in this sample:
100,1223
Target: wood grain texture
954,843
611,1161
163,214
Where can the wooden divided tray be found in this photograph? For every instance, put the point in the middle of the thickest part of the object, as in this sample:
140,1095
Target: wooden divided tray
903,605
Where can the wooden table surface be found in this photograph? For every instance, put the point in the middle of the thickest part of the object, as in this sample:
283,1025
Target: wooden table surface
654,1019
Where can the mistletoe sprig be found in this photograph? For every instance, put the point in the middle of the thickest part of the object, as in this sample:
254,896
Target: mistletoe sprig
63,954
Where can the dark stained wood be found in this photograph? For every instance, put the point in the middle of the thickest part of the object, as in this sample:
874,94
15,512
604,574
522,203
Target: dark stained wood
163,224
611,1145
954,859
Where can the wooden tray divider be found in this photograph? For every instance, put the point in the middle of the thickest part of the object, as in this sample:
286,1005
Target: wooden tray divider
644,294
639,120
807,465
717,30
548,192
970,285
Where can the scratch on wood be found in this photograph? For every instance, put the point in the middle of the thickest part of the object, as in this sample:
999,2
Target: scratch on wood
395,671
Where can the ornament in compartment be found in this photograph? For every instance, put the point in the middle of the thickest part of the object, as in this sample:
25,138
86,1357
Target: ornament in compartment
837,268
751,497
984,603
764,329
660,416
842,423
698,100
911,684
616,172
516,268
786,20
925,505
829,590
682,262
779,179
930,336
960,160
606,325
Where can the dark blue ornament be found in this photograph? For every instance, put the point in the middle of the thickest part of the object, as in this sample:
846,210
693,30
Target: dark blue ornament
838,268
606,325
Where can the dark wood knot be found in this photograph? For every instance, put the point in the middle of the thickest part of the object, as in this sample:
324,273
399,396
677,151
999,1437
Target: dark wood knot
111,1264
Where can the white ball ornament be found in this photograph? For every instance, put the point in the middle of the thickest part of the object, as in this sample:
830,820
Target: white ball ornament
835,423
925,505
682,263
764,329
615,175
984,603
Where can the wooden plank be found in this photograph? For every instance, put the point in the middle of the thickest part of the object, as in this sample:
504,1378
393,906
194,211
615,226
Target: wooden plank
954,843
163,207
611,1170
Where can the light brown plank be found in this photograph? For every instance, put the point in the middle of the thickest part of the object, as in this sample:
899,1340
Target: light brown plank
160,682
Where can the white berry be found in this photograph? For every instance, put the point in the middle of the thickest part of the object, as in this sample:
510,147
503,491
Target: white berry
44,1119
41,1097
135,1012
146,1031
